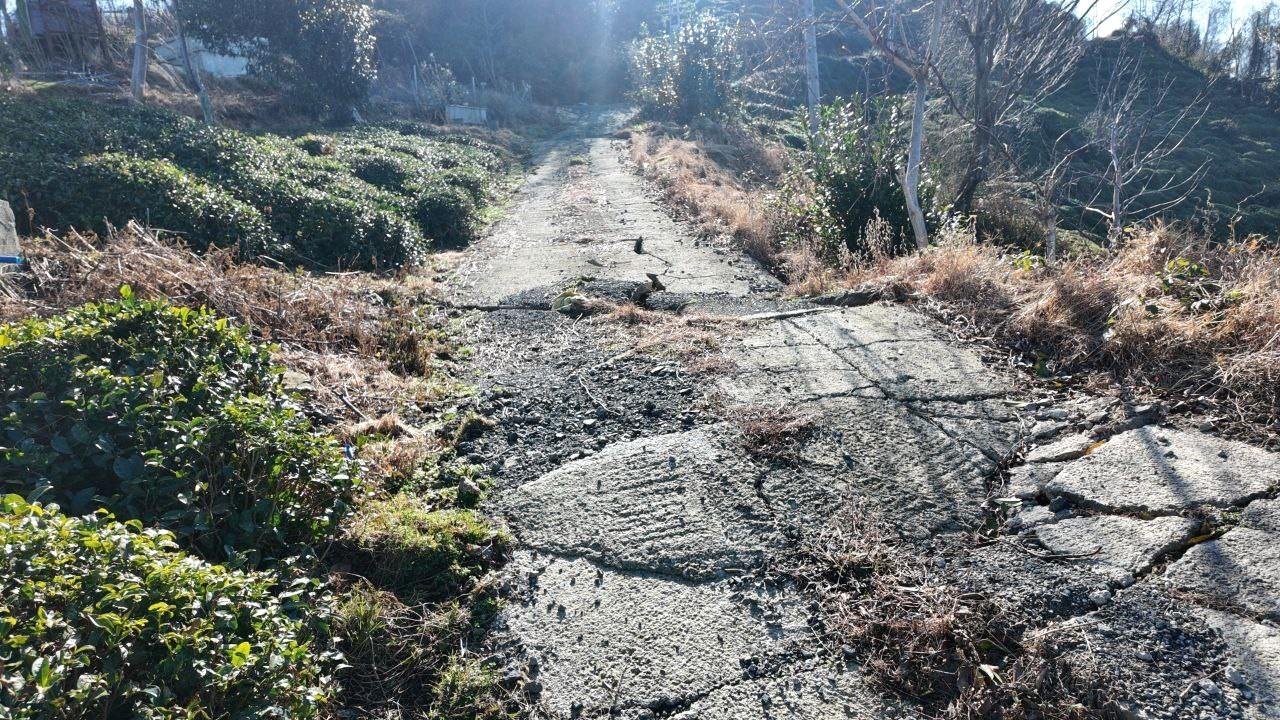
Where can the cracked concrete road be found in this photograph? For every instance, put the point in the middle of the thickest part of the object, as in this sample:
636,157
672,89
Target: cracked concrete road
649,530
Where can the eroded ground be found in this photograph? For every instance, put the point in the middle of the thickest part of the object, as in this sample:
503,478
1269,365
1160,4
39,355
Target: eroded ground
652,525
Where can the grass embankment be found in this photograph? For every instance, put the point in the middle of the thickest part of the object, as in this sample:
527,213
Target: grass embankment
367,197
295,542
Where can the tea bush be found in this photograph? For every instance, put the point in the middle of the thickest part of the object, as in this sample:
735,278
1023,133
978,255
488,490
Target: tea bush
160,193
353,199
170,416
102,619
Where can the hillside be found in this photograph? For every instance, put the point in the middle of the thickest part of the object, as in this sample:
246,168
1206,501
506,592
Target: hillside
1238,139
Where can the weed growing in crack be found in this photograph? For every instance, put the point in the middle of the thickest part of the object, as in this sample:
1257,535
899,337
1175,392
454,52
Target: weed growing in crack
957,650
773,432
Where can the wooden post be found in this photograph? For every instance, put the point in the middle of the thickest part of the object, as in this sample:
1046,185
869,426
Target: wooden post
138,81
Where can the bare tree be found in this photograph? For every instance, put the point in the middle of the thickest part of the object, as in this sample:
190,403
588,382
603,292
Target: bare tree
886,28
193,73
1007,56
138,79
813,92
1051,184
1139,128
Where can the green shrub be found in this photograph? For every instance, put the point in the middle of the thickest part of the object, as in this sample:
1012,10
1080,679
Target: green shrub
170,416
689,73
346,200
446,214
853,173
116,188
422,552
100,619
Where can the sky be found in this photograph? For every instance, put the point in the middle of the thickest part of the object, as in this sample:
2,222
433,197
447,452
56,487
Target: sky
1240,11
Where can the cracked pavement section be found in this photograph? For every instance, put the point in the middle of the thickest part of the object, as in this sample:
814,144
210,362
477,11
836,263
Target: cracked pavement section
650,533
616,640
1157,470
682,503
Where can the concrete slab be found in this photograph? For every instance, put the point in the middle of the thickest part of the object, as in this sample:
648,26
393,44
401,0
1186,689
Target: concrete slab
1157,470
683,503
607,639
1125,547
1240,570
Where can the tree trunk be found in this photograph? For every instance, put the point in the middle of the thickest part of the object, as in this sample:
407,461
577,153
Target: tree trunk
811,64
193,73
975,173
138,81
911,178
1117,214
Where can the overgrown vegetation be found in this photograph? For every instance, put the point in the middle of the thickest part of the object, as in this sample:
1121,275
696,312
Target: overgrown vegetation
108,619
1174,312
322,51
690,72
955,649
364,198
168,416
425,555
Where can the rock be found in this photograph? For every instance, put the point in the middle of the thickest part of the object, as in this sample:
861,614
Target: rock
1047,428
1026,482
1068,448
1028,518
1125,546
1233,676
1100,597
1133,473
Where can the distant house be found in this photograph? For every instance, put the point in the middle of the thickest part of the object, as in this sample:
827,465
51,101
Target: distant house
69,29
205,60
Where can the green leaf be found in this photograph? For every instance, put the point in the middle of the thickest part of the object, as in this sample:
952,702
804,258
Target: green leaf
239,654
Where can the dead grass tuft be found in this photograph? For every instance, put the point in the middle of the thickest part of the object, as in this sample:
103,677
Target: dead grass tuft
773,432
956,650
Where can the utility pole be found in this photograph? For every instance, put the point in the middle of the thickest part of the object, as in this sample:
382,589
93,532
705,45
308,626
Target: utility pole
811,64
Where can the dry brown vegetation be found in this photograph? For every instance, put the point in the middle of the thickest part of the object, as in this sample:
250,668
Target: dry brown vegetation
367,343
721,176
955,649
772,432
1172,312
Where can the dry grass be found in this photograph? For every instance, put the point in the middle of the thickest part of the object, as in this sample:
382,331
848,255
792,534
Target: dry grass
722,177
693,339
1172,312
366,342
957,650
773,432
